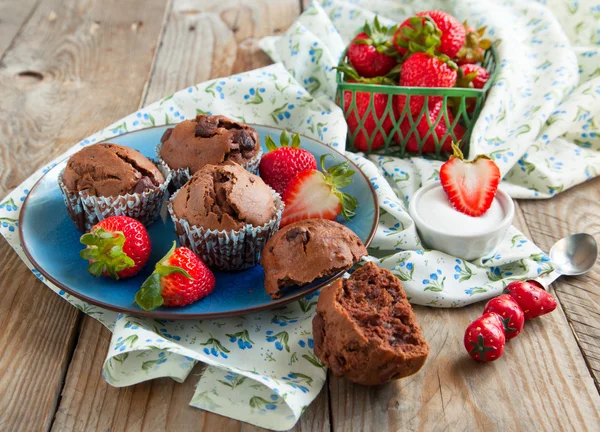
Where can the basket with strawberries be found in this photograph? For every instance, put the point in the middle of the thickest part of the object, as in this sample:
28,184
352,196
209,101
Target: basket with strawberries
416,87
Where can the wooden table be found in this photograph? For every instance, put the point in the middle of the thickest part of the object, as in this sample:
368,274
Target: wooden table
71,67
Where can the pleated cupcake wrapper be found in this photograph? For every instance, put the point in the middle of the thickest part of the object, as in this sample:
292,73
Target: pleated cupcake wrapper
227,250
87,210
182,175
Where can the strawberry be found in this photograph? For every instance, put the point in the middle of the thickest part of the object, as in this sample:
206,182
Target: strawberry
282,164
470,185
422,130
315,194
484,338
424,70
118,247
370,52
474,47
472,75
179,278
511,314
531,297
368,136
415,34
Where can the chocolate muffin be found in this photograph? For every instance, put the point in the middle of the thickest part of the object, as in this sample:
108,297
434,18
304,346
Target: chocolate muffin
226,214
107,179
111,170
208,140
307,250
366,331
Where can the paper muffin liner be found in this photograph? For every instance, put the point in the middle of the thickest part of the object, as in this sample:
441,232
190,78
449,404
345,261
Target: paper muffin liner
182,175
227,250
87,210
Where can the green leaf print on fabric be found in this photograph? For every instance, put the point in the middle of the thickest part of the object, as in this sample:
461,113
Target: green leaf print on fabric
313,360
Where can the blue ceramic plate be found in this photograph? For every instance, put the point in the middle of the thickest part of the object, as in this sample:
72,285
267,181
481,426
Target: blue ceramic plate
51,242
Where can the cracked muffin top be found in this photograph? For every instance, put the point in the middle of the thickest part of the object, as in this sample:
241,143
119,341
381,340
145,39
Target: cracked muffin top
307,250
208,140
111,170
224,197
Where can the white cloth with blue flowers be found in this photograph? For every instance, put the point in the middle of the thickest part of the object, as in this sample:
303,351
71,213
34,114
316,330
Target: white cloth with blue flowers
539,123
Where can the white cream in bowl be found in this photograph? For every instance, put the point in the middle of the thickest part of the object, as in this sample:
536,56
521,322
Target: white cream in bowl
444,228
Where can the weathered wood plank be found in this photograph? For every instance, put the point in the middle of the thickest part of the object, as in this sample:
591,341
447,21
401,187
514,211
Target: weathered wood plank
13,15
226,33
573,211
71,69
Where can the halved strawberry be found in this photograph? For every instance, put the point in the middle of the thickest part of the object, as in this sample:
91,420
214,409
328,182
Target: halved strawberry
314,194
470,185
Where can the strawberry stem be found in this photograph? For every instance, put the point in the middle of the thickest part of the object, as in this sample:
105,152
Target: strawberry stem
284,141
105,253
338,177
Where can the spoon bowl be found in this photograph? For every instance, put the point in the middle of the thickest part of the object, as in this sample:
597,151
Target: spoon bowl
574,255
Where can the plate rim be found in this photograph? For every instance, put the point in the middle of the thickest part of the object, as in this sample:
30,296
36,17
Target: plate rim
193,316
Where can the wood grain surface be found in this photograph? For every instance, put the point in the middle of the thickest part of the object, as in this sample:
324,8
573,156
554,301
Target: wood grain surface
69,68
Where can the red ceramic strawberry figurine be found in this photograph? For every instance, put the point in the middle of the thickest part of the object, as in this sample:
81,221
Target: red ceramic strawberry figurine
179,278
511,314
370,52
474,47
424,70
281,164
433,119
118,247
430,29
470,185
362,120
316,194
484,338
531,297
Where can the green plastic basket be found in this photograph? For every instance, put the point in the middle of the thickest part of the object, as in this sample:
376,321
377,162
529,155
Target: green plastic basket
403,134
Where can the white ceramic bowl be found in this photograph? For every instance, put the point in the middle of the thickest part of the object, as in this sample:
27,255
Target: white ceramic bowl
466,246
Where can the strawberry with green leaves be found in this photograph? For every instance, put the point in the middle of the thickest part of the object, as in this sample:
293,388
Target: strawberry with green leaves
179,278
118,247
474,47
282,163
370,52
430,30
470,185
531,297
510,313
315,194
484,338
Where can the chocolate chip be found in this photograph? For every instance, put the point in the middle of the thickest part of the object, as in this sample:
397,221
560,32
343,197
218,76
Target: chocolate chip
166,135
206,126
297,234
244,139
144,184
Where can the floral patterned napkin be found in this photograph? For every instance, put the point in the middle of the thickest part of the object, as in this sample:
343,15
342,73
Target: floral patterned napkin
261,368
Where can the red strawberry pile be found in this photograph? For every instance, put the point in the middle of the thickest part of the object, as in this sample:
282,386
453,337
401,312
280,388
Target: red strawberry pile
431,49
504,317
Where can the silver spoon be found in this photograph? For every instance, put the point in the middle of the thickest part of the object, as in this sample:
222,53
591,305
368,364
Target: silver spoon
574,255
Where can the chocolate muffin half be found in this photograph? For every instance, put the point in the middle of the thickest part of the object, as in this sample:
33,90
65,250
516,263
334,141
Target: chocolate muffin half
208,140
365,329
107,179
226,215
307,250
